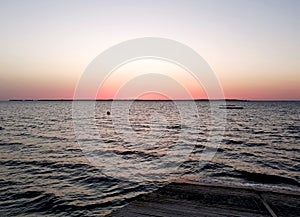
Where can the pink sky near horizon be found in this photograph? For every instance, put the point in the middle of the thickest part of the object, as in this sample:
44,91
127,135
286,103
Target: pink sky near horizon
252,93
233,87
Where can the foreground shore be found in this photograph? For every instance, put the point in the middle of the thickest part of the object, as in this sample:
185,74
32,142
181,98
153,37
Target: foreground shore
193,200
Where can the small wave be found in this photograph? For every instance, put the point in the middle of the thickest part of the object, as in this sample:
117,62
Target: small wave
47,203
253,144
26,194
53,138
236,129
109,140
225,174
72,166
202,140
5,183
24,134
47,164
293,128
267,178
134,153
232,142
43,203
214,166
93,180
34,163
131,189
74,150
177,126
138,126
291,149
248,154
11,144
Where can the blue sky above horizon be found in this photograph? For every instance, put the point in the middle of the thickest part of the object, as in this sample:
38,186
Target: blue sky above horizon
252,46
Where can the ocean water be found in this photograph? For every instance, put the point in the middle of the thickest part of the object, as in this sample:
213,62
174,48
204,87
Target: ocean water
48,168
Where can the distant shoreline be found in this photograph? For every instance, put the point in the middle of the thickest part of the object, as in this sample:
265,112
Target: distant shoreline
160,100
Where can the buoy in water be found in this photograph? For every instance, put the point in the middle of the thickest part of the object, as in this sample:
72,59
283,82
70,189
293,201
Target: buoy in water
108,112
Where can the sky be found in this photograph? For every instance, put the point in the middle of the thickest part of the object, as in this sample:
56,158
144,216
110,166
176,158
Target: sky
252,46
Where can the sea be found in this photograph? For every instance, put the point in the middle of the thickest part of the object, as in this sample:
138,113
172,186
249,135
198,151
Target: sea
57,159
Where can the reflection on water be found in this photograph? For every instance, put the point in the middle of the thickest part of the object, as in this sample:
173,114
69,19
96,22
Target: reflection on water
44,170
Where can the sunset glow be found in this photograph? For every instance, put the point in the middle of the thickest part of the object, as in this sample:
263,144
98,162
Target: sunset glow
159,79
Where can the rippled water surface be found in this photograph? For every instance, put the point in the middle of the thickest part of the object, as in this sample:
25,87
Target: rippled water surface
45,171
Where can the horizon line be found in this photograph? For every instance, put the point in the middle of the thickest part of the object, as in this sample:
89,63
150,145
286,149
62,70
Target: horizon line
229,99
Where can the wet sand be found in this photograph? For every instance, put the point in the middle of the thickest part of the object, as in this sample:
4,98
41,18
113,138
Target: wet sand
193,200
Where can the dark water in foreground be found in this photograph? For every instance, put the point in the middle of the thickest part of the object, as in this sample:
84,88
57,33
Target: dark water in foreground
45,172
